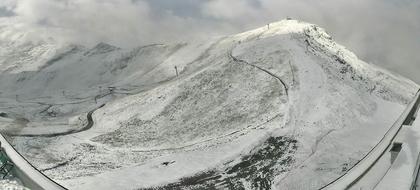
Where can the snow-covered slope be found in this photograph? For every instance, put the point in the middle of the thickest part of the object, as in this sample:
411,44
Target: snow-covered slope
281,107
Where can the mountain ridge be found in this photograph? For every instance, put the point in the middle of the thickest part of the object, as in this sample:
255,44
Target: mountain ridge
209,111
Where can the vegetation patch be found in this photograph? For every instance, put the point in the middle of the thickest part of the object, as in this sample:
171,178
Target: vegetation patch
254,171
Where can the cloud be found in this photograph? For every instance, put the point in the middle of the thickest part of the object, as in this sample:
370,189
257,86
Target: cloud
384,32
81,21
6,8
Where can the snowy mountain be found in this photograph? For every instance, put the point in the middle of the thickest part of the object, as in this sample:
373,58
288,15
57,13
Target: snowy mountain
281,107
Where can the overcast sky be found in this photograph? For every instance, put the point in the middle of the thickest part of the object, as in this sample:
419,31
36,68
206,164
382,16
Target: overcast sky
383,32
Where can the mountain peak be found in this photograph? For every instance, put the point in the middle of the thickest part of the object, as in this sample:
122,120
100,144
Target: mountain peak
259,103
101,48
285,26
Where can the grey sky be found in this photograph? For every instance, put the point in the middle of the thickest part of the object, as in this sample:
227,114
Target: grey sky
384,32
6,12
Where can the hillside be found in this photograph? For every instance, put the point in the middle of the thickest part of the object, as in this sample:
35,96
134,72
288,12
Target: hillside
283,106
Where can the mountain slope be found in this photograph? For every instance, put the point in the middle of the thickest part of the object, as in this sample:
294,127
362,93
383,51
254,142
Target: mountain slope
268,108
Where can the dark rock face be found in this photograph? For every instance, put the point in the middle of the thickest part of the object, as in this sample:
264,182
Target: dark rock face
254,171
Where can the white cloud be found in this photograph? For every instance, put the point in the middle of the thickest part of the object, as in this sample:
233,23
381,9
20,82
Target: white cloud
232,9
382,31
82,21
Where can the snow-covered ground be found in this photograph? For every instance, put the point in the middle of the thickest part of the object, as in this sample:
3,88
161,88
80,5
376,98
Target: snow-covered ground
282,107
22,172
11,185
371,169
401,173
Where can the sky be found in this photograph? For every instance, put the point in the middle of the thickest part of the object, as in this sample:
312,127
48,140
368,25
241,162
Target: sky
382,32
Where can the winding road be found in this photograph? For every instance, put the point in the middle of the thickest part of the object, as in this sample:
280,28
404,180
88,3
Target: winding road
85,128
29,175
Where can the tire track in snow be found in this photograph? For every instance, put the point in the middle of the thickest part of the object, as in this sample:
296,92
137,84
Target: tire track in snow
317,141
